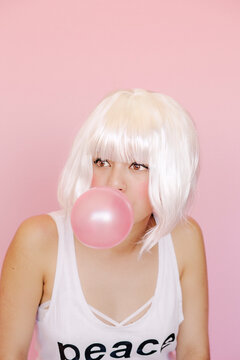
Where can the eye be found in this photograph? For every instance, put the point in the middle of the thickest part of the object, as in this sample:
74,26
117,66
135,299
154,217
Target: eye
138,167
101,163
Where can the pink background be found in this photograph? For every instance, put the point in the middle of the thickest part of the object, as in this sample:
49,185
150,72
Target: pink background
59,58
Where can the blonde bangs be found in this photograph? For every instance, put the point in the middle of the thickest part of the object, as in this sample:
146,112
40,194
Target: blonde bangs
126,130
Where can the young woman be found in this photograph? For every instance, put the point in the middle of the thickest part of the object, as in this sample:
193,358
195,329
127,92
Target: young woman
141,299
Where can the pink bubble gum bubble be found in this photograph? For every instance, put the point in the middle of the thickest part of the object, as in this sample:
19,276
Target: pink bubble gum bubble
102,217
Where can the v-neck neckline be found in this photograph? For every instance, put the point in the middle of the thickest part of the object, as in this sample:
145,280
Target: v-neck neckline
91,311
126,320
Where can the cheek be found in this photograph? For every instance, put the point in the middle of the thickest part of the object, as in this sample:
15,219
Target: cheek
143,189
94,181
98,178
142,192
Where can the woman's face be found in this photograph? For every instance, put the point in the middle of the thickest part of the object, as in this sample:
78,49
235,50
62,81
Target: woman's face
131,179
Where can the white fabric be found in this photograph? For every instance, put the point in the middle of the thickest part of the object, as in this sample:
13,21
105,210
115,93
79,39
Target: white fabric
125,321
67,328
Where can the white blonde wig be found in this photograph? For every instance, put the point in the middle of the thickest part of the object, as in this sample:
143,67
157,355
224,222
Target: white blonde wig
146,127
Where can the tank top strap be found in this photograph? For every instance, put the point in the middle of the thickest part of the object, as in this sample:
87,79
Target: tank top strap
65,235
60,218
65,255
168,256
163,253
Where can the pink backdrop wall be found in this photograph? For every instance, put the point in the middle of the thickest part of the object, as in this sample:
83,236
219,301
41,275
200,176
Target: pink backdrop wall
58,58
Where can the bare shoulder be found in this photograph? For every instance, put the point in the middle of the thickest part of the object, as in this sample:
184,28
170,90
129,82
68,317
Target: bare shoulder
36,231
37,227
188,242
189,248
29,259
187,229
33,240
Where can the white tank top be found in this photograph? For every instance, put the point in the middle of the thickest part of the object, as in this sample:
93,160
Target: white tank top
67,328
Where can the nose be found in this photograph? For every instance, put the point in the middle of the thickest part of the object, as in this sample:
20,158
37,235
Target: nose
117,179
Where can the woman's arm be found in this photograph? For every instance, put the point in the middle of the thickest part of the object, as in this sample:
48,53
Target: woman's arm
193,332
21,289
